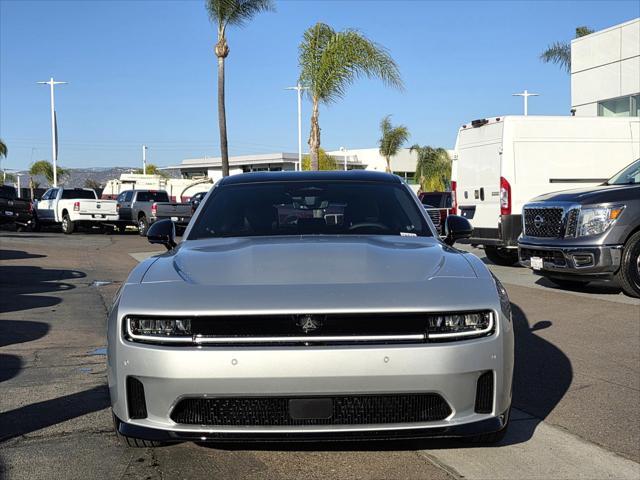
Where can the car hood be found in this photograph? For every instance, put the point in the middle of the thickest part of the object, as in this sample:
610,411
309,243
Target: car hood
590,195
310,261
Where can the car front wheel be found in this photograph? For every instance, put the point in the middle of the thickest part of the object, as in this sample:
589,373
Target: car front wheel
629,274
501,256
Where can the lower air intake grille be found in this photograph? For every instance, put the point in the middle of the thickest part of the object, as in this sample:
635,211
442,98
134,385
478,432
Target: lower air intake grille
346,410
484,393
135,398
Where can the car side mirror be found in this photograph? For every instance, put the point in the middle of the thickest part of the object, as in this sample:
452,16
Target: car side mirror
163,232
456,228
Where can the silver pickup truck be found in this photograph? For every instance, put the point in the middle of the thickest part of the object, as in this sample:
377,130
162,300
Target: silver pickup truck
142,208
576,236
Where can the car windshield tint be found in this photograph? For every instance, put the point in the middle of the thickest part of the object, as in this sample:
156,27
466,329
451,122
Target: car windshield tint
309,208
71,194
628,176
7,192
152,197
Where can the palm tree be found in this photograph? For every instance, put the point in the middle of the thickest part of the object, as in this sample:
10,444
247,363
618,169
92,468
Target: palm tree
224,13
45,168
433,168
560,52
392,139
3,149
152,170
330,61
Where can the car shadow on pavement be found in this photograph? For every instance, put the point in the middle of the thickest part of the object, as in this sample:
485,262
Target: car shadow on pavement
14,332
36,416
542,376
17,255
600,287
21,286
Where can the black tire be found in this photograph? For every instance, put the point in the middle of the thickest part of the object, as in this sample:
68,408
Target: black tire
564,283
36,226
133,442
629,274
490,438
143,225
67,225
501,256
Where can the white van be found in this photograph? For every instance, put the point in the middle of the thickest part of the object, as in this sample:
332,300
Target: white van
501,163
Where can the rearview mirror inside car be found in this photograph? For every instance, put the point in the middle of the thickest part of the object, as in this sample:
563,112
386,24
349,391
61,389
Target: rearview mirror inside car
163,232
456,228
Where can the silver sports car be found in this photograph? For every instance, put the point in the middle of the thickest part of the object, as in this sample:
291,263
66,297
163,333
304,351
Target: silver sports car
310,306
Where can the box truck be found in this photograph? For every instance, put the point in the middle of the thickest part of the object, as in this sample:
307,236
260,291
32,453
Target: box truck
501,163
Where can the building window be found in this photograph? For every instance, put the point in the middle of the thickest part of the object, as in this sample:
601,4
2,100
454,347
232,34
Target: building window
408,177
620,107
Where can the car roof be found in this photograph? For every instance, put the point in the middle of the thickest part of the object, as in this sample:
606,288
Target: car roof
305,176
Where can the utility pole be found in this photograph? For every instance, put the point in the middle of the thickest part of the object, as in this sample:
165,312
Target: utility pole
144,159
525,95
54,129
299,89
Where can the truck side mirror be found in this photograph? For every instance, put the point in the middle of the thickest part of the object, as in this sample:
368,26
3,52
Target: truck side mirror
456,228
163,232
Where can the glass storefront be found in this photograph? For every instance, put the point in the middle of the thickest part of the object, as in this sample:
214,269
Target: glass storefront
628,106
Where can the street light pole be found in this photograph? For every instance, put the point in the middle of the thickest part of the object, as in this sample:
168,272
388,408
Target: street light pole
54,133
344,153
299,89
526,96
144,159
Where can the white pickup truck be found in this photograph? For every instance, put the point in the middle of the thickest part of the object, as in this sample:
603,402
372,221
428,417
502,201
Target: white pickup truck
71,207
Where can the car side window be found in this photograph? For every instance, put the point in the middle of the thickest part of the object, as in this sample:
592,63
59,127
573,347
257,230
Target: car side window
46,195
128,196
121,197
53,193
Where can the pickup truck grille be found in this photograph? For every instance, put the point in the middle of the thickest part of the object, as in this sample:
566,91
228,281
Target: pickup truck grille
543,222
340,410
434,214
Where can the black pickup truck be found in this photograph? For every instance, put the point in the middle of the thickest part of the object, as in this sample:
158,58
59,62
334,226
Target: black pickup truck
575,236
13,209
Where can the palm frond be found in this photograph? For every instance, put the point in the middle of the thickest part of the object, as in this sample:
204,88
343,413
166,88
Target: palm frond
236,12
3,149
583,31
330,61
558,53
433,167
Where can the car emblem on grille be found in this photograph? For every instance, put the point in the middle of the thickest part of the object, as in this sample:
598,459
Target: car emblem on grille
309,323
538,221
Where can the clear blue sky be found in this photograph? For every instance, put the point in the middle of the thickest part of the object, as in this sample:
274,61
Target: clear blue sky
144,72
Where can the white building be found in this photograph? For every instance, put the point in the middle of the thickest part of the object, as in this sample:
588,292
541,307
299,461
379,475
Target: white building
605,72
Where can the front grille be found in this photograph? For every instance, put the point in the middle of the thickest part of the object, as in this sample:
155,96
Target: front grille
543,222
484,393
554,257
136,403
346,410
434,214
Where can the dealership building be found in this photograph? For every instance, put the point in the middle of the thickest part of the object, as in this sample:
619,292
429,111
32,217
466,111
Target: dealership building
605,72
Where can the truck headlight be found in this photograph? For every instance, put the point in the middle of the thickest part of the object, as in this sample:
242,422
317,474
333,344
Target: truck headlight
597,219
158,327
460,325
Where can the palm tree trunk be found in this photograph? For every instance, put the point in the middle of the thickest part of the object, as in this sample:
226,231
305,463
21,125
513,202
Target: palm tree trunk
222,116
388,164
314,137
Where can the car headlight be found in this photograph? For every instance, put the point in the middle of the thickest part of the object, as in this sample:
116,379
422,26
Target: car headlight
138,328
597,219
460,325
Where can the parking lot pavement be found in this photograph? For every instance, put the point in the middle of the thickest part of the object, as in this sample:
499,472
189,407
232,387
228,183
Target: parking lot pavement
577,384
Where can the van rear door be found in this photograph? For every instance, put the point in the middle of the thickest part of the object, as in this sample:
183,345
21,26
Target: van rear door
479,153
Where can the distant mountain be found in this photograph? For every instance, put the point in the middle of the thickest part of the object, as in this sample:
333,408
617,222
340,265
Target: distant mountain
78,177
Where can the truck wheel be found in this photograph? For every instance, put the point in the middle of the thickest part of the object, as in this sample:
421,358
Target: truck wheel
143,226
67,225
570,284
133,442
501,256
629,274
36,226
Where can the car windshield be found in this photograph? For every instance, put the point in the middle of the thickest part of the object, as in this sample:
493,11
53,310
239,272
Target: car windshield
79,193
628,176
309,208
436,200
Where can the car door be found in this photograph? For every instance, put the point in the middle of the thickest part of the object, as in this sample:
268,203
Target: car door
46,205
125,200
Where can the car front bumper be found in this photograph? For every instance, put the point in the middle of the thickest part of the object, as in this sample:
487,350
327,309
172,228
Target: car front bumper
585,261
450,370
